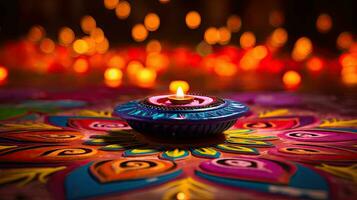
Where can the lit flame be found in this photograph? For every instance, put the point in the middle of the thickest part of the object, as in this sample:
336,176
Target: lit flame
179,93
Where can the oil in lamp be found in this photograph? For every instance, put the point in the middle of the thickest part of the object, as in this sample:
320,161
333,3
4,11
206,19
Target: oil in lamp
181,115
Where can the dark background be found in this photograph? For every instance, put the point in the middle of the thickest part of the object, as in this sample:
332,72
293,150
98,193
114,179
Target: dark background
17,16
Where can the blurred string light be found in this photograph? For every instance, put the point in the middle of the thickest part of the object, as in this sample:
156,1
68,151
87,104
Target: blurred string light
36,33
276,18
88,23
291,79
110,4
153,46
152,21
324,23
47,45
234,23
193,19
113,74
344,40
123,10
80,65
302,49
139,32
3,73
247,40
66,36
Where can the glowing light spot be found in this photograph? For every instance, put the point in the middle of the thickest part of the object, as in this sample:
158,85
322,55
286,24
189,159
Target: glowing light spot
291,79
211,35
36,33
113,74
259,52
153,46
123,10
66,36
193,19
139,32
234,23
116,62
133,68
157,61
88,23
174,85
80,65
3,73
91,45
181,196
278,38
314,64
224,35
302,49
344,40
224,68
324,23
97,34
47,45
110,4
276,18
152,22
80,46
146,78
164,1
112,84
247,40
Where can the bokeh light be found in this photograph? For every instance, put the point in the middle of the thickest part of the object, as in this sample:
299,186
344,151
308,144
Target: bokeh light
174,85
133,68
146,78
116,62
291,79
36,33
47,45
156,61
276,18
80,65
3,73
193,19
344,40
324,23
110,4
302,49
123,10
113,74
139,32
66,36
314,64
80,46
234,23
88,23
153,46
152,21
247,40
278,38
224,35
211,35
